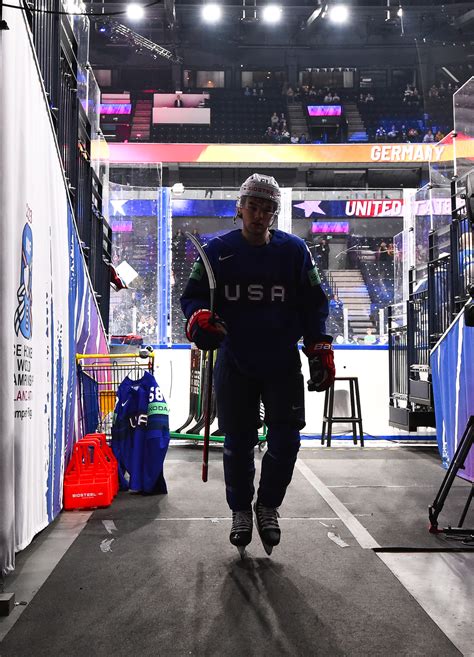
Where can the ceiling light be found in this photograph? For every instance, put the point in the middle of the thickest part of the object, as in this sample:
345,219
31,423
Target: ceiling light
338,13
73,7
135,12
211,13
271,14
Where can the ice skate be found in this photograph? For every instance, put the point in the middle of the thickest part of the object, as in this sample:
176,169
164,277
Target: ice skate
266,521
241,532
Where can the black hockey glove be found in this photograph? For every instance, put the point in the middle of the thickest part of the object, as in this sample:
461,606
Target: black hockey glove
206,330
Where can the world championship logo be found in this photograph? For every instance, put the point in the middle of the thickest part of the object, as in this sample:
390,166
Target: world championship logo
23,316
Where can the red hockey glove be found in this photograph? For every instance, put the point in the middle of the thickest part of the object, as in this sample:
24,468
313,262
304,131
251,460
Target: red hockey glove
207,331
321,366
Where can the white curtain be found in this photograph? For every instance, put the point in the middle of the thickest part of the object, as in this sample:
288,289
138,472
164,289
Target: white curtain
47,306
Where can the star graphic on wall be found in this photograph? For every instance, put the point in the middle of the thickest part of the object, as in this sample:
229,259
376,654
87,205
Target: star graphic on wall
310,207
117,206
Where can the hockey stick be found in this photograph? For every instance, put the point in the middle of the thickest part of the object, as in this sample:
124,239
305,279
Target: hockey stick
193,388
208,386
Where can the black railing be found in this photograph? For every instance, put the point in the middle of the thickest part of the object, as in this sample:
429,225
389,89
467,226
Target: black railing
46,37
101,251
418,334
56,49
462,250
398,362
430,312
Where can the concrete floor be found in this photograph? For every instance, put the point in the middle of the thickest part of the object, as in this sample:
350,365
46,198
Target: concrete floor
156,575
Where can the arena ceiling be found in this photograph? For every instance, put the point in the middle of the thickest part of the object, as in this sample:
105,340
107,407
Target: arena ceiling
178,26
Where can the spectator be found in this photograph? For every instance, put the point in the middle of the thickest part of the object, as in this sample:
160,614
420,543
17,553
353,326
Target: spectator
413,135
335,304
392,134
276,136
336,98
370,337
428,138
407,94
369,98
439,136
328,98
303,139
380,134
384,257
322,253
433,92
290,94
247,91
179,101
274,120
294,139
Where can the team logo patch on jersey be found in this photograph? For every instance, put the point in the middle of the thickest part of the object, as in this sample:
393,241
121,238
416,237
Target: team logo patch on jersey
313,275
197,271
158,408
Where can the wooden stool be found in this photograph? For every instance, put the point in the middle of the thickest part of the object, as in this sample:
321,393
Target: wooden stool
355,418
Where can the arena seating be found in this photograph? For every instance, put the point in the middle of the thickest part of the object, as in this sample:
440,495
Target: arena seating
235,118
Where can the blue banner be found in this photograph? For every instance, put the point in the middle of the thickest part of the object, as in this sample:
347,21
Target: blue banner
120,210
453,387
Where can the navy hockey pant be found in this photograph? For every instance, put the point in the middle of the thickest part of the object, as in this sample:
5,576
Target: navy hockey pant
238,405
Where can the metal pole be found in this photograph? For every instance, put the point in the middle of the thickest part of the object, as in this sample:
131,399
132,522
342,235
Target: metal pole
3,24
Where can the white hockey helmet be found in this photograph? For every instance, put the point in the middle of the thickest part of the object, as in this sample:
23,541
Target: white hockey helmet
259,186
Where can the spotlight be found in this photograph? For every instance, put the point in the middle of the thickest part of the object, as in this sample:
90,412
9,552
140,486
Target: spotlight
73,7
211,13
135,12
271,14
103,27
338,14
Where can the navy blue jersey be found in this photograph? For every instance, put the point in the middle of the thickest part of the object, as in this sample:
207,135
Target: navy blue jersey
270,297
140,434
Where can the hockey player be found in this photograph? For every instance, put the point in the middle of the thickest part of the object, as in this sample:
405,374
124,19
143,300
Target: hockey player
268,296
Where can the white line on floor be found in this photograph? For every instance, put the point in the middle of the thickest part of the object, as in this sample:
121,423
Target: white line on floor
443,584
359,532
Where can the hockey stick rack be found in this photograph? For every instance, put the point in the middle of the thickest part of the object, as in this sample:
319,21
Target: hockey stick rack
456,464
192,432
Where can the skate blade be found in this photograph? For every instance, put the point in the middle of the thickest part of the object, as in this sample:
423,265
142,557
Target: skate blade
242,551
268,548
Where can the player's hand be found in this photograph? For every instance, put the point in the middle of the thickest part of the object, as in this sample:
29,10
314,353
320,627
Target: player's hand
206,330
322,370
